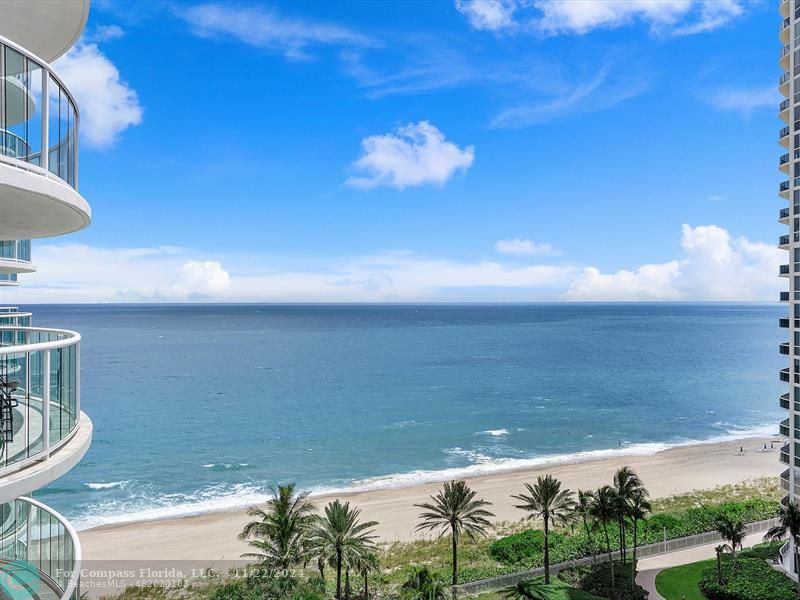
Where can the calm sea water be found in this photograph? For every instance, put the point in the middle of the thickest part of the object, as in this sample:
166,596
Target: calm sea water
200,408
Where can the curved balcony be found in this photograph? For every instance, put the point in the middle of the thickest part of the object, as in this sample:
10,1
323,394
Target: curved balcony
10,316
15,256
783,110
783,242
38,150
784,271
40,553
784,348
783,137
784,84
784,58
783,216
8,279
783,401
43,433
784,8
784,375
785,189
784,428
784,297
46,27
783,322
783,163
783,30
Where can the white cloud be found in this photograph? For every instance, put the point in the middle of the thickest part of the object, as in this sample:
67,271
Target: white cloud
602,91
265,28
492,15
107,104
745,100
714,266
104,33
416,154
557,17
525,247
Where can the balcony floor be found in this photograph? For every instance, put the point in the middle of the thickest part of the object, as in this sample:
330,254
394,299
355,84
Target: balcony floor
20,580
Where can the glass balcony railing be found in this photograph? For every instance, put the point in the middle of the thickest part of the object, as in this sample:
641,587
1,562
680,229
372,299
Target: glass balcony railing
783,322
39,120
39,393
783,133
784,186
784,401
784,297
785,375
784,24
12,317
783,270
784,159
785,51
8,279
784,428
15,250
784,348
783,240
40,553
784,214
784,105
784,78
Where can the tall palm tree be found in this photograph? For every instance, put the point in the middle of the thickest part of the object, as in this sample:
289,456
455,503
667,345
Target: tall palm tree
789,527
732,532
604,509
719,550
547,501
638,509
627,485
365,564
583,511
455,509
534,589
279,531
423,585
340,535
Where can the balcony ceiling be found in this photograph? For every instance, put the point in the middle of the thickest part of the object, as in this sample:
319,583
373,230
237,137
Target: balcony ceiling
48,28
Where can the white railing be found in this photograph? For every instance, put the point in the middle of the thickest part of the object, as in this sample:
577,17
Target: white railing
42,545
39,393
50,131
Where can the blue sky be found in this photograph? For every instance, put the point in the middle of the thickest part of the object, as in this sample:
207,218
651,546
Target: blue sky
516,150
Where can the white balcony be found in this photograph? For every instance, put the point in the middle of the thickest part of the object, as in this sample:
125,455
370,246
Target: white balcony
43,433
40,553
38,150
46,27
15,256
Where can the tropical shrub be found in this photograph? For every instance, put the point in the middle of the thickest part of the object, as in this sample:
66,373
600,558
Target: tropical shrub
597,580
524,549
747,579
768,551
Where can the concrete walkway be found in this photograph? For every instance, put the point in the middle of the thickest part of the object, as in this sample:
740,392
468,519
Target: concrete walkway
650,567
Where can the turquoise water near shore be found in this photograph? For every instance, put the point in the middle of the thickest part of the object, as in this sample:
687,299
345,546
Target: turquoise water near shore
203,407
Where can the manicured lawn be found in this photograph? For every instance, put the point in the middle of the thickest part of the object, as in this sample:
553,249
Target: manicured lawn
681,582
561,591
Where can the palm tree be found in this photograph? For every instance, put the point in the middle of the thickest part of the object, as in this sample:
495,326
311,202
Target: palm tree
339,534
546,500
366,564
627,485
789,526
534,589
455,509
719,550
583,511
732,532
604,509
423,585
638,509
279,531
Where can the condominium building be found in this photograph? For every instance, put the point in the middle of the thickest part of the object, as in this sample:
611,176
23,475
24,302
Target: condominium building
43,433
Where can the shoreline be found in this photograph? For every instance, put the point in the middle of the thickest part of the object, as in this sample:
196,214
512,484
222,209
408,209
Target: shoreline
211,536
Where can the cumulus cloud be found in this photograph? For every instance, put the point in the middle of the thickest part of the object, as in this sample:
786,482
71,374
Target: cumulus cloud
263,27
525,247
714,266
104,33
108,105
416,154
577,17
492,15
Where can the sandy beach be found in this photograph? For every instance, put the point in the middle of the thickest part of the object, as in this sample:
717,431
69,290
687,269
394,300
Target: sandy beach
212,537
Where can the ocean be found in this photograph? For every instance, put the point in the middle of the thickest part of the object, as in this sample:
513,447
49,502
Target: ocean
199,408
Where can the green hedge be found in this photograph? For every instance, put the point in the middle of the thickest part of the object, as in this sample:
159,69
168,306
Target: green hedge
747,579
597,580
525,549
768,551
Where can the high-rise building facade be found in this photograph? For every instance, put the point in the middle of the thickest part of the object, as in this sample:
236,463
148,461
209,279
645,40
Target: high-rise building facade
43,433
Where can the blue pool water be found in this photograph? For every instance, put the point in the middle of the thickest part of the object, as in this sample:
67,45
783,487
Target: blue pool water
200,408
